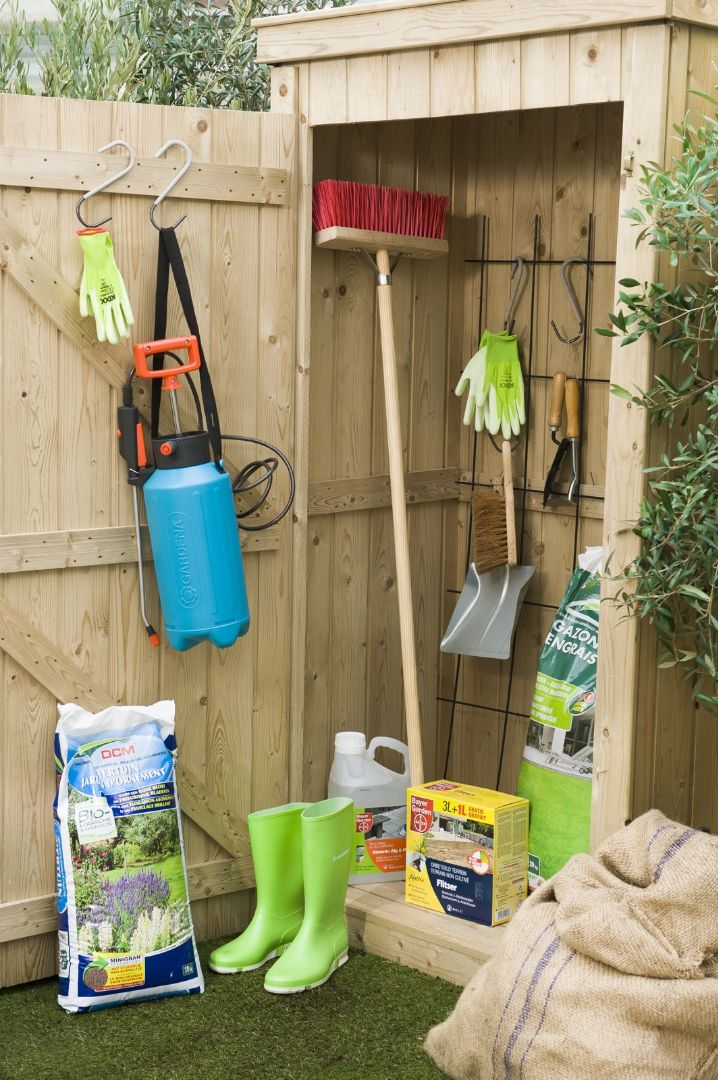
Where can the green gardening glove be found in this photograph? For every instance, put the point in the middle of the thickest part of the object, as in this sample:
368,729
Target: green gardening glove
474,376
504,403
102,290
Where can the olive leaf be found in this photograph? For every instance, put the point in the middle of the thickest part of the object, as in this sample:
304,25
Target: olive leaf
164,52
674,580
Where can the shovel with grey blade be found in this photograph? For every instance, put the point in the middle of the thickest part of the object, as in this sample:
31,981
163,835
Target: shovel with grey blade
487,610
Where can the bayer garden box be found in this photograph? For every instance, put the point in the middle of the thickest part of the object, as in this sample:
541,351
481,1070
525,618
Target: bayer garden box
466,851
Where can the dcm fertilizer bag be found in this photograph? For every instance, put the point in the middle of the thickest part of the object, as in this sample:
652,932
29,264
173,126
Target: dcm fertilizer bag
124,922
557,766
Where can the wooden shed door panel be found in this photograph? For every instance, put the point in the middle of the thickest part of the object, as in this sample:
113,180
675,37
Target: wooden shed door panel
69,618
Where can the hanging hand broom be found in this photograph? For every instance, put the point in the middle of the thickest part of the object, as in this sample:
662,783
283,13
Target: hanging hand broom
381,222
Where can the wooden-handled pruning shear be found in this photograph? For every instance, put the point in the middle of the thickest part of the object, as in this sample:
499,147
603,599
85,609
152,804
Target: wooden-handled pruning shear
568,391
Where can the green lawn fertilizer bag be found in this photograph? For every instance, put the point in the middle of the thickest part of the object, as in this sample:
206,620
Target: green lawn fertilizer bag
557,765
124,922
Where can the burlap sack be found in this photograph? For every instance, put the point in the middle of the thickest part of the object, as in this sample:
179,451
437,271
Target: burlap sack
608,972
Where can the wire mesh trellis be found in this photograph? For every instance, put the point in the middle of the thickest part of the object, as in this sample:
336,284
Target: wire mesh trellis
535,263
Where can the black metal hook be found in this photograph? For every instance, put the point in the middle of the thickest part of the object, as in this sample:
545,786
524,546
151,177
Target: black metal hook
514,445
517,272
572,299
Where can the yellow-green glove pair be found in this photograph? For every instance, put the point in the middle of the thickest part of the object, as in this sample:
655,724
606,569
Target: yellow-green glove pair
102,290
496,386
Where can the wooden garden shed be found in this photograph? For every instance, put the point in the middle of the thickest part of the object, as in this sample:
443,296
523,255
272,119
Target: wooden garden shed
534,117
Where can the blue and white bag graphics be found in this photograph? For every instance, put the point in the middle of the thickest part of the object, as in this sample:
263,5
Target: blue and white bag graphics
124,922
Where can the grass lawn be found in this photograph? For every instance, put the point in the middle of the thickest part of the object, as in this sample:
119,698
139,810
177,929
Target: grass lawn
560,815
170,868
367,1023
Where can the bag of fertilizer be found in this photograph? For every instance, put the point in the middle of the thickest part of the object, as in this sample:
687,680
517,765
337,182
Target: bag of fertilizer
124,921
557,765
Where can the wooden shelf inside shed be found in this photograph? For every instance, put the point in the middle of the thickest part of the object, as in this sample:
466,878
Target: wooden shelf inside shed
416,247
381,922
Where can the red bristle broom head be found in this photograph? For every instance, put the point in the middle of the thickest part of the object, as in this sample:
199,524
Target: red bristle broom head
350,205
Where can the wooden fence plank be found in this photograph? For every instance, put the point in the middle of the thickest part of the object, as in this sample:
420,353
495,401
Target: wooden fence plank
46,287
300,532
65,549
31,466
63,170
43,283
67,682
498,76
644,131
372,492
367,88
408,84
452,80
700,12
327,92
58,520
544,71
38,914
595,66
350,31
211,813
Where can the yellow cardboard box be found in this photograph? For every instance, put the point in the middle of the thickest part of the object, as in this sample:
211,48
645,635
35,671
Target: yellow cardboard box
466,851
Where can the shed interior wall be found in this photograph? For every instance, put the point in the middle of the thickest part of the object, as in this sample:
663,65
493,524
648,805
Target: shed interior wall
502,172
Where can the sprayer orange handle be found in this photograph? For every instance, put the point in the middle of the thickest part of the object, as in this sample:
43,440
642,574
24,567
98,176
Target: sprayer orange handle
151,348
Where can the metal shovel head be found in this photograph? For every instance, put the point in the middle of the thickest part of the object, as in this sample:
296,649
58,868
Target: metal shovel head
487,611
558,498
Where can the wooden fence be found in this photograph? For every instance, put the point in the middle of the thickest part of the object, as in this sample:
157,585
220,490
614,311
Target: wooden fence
69,619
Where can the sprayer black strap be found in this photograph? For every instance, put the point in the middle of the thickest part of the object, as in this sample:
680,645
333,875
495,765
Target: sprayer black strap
169,259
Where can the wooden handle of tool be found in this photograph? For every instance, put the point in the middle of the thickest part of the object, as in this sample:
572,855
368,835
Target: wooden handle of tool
398,510
573,409
558,389
509,498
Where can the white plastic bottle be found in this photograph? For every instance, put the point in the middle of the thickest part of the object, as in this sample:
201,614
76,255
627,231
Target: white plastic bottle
379,797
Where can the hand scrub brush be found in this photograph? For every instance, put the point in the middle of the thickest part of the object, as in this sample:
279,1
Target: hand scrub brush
487,610
493,523
382,222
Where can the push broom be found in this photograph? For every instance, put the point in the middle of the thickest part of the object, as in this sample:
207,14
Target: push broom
385,224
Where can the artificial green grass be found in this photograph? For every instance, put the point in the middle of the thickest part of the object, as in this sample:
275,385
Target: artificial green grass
367,1023
170,868
560,815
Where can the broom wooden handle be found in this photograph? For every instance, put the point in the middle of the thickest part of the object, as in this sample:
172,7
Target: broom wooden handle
509,499
398,511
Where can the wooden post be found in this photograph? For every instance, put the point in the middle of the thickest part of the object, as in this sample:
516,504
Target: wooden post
646,61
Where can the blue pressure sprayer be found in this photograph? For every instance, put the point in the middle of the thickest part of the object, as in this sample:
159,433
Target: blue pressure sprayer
189,496
191,520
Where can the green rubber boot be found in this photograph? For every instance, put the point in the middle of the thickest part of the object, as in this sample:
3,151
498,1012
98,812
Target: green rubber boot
322,944
276,839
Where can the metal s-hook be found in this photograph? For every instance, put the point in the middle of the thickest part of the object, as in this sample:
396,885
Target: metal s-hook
517,272
173,182
514,444
572,299
105,183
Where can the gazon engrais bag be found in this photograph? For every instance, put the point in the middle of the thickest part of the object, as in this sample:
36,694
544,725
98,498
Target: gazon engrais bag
124,921
557,766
